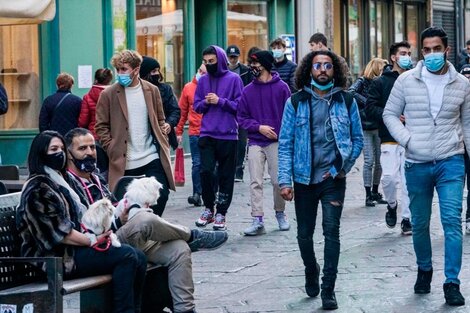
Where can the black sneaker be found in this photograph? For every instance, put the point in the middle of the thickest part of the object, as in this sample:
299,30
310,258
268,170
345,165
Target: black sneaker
370,201
423,282
406,228
391,216
312,282
377,197
195,200
328,299
453,295
207,240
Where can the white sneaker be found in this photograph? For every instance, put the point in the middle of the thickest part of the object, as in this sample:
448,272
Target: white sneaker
282,221
256,228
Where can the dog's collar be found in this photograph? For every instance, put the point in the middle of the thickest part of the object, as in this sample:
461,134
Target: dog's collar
135,205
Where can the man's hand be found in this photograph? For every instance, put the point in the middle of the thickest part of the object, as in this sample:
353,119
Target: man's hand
402,118
212,98
287,193
124,217
166,128
179,139
341,174
267,131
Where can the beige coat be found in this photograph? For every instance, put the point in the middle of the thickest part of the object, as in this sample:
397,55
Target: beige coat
112,128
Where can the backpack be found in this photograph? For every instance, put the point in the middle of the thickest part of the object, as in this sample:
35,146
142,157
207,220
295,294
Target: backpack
302,95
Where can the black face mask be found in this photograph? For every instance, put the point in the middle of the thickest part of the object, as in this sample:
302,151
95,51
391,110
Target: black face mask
87,165
56,161
255,71
211,68
154,79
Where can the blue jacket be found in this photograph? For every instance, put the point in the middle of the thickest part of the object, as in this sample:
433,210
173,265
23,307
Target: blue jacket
295,154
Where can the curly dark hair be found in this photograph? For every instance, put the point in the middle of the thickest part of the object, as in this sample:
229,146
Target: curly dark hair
303,74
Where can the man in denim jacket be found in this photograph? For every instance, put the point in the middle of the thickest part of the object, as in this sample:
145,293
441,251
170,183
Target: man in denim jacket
320,139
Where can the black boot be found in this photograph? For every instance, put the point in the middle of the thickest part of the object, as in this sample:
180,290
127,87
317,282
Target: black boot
195,199
328,299
423,282
312,282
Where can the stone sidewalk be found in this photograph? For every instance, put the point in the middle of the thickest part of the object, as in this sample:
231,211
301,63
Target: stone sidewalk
265,274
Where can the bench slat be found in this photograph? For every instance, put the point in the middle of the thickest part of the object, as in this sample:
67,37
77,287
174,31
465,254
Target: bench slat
79,284
28,288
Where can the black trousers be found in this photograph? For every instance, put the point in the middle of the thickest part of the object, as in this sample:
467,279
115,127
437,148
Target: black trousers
241,152
224,154
156,170
127,266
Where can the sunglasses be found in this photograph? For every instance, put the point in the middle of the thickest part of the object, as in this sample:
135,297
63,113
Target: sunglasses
326,66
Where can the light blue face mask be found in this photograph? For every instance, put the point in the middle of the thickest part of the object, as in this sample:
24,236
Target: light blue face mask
322,87
124,79
404,61
198,76
434,61
277,53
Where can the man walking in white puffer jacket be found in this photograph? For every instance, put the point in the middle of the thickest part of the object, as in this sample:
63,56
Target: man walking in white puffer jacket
435,101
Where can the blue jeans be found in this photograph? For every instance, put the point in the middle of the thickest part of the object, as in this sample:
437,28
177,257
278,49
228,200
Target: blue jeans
331,194
196,164
447,176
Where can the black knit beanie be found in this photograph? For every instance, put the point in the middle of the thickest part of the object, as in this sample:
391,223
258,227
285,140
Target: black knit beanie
148,65
264,57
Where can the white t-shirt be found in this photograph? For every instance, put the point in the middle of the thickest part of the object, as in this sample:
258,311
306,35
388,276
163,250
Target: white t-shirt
140,147
435,85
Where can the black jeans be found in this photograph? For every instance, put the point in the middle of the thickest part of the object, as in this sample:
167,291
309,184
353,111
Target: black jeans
331,194
127,266
223,153
156,170
241,152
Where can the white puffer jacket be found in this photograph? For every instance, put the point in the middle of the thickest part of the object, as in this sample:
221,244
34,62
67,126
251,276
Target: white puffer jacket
427,139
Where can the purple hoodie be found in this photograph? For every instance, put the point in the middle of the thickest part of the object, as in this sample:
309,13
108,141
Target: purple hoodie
262,103
219,121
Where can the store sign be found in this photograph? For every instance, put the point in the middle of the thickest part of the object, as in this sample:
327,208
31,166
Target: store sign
26,11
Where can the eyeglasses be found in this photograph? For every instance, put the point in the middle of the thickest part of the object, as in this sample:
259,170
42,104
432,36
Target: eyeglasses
326,66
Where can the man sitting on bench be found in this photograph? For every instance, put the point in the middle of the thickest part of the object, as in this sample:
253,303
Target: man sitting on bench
170,246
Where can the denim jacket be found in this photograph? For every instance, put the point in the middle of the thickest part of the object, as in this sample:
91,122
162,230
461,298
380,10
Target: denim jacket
295,155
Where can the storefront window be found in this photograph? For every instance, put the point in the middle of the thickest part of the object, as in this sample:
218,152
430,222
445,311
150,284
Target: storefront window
247,25
159,30
120,24
355,40
19,68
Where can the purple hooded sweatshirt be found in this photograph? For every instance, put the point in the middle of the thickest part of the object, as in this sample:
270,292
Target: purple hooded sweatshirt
219,121
262,103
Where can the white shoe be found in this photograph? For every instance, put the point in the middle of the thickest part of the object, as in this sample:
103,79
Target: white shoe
256,228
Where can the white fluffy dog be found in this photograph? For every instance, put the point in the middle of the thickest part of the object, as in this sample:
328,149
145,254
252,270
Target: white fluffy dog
141,193
98,219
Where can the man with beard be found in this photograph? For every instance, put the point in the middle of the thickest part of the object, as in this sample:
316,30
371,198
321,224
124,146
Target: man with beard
163,243
320,139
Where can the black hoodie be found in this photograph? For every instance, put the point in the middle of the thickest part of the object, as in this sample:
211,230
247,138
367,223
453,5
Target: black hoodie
379,91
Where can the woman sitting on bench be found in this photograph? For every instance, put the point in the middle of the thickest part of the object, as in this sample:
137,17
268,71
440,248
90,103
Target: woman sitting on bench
48,220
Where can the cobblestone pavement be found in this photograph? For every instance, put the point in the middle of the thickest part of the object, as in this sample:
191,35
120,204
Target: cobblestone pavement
265,274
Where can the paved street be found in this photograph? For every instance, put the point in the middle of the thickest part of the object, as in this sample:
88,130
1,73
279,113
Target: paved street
264,274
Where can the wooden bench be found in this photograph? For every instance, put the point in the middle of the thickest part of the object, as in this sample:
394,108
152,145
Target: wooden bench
23,284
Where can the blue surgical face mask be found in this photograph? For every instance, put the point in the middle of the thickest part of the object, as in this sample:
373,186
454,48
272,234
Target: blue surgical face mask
434,61
277,53
198,76
404,61
124,79
322,87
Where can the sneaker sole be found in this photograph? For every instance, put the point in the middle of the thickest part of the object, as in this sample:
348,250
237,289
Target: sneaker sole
203,225
257,233
284,229
219,227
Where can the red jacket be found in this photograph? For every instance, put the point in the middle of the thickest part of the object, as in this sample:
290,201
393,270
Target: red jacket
87,117
186,106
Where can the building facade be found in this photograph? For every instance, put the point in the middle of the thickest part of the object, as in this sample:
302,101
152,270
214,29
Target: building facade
173,31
